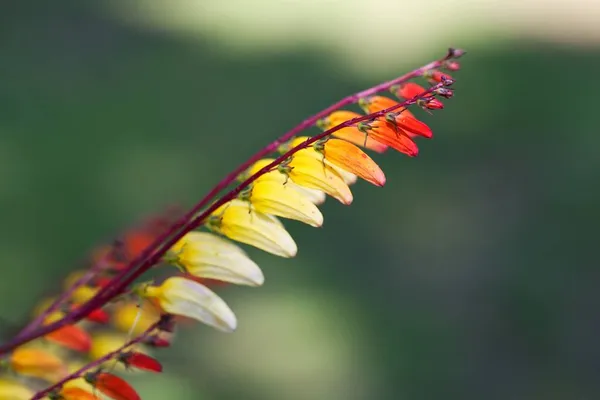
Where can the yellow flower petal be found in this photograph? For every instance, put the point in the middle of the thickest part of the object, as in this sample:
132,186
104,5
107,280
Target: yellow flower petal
37,363
206,255
315,196
306,170
180,296
13,390
83,293
275,198
126,314
106,342
239,220
348,177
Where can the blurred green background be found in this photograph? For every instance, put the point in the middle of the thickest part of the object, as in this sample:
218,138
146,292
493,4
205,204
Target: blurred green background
472,275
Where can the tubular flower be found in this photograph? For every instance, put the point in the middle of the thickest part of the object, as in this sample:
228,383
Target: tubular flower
410,89
315,196
350,134
402,118
385,132
106,342
72,337
436,76
271,197
206,255
37,363
239,220
128,316
134,359
305,170
112,386
348,158
13,390
180,296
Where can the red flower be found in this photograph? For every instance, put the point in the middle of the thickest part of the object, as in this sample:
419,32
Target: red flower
112,386
435,76
141,361
403,119
409,90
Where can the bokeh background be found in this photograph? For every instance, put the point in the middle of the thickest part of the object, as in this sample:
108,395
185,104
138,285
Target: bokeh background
473,274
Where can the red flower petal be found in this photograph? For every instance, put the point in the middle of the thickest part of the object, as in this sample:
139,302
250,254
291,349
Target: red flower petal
156,341
140,361
71,337
112,386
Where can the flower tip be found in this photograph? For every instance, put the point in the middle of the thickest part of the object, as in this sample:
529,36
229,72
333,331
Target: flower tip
228,323
379,179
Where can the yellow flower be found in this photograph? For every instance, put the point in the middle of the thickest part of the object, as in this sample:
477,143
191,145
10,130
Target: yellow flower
83,293
13,390
126,314
106,342
180,296
206,255
306,170
37,363
239,220
313,195
271,197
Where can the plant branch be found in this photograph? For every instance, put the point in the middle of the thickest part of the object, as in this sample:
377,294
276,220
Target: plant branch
190,220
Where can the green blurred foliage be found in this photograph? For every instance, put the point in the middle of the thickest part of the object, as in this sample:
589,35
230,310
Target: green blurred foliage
471,275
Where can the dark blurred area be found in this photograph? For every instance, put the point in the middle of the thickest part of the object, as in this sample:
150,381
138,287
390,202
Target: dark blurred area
471,275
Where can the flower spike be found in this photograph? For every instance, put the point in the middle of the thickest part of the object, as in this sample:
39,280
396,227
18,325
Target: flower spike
106,320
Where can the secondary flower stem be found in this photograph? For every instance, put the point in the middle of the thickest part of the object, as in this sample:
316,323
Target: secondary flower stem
97,363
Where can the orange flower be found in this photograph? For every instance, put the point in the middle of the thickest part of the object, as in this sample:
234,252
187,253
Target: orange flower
76,393
112,386
350,134
71,337
401,117
385,132
37,363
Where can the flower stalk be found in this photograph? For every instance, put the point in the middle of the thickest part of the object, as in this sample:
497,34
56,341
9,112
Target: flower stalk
311,164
